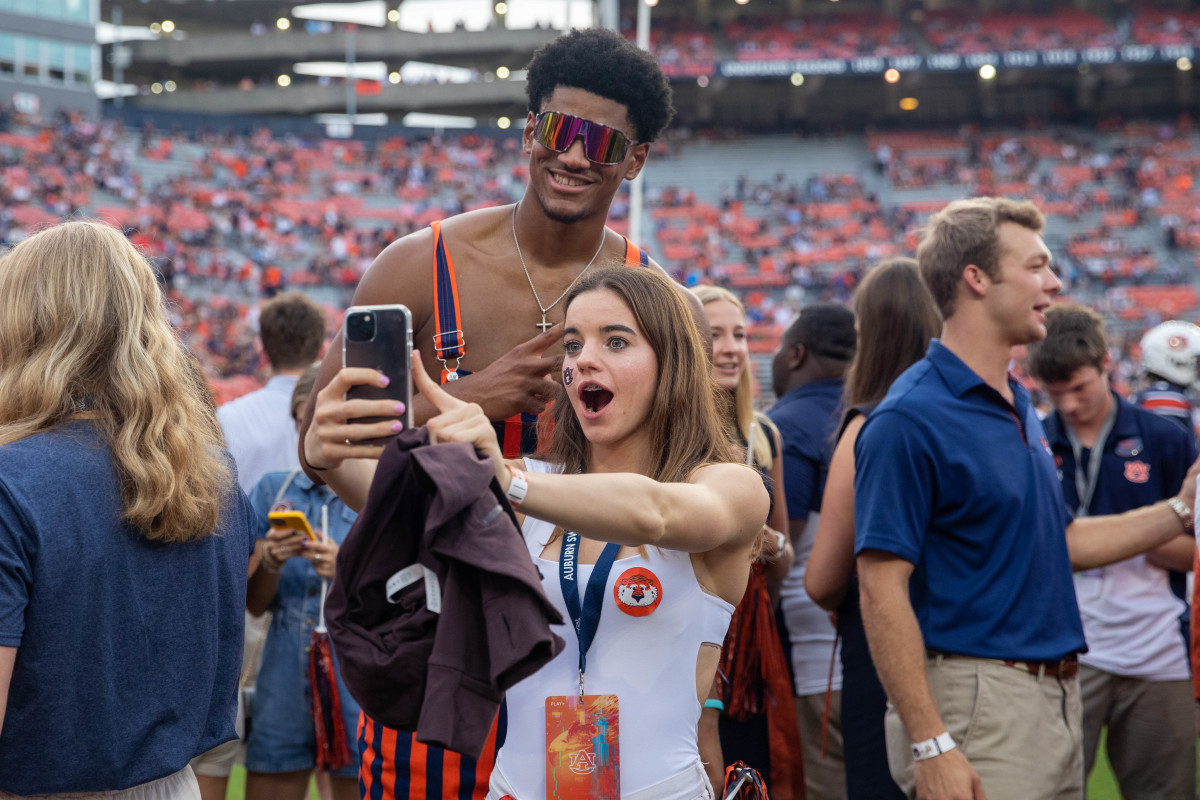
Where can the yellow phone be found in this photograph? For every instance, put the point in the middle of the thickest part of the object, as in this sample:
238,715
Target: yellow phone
293,520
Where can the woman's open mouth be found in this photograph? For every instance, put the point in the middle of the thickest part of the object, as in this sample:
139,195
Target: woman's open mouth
594,397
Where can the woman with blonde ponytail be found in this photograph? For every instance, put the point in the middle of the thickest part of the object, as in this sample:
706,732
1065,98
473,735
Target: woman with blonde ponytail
124,540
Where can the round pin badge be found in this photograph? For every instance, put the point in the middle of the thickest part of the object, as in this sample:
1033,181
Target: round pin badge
638,592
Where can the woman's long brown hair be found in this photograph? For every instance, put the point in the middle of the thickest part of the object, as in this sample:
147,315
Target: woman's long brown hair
896,319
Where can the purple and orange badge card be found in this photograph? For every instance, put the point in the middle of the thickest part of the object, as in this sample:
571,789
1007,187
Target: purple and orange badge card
583,757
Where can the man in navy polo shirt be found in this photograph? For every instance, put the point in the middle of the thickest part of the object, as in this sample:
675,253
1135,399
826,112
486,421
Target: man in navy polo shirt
965,545
1112,457
807,375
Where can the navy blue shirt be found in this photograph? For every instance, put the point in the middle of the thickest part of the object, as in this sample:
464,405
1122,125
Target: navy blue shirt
807,419
955,480
1144,461
129,651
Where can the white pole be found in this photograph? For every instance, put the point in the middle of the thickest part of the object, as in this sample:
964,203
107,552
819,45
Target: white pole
637,189
610,15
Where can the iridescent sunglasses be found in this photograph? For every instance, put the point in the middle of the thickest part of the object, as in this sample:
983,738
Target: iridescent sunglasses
601,144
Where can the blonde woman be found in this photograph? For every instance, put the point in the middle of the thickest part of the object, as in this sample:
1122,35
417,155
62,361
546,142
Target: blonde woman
124,539
735,724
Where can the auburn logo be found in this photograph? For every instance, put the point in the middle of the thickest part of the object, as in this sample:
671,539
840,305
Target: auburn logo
638,592
1137,471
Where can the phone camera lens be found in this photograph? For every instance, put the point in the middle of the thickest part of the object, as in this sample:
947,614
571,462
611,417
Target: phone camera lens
360,327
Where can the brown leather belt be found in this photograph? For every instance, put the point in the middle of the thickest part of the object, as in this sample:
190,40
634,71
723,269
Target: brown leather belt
1067,667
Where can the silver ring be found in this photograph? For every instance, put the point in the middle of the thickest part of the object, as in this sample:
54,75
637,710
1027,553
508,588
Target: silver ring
347,442
317,557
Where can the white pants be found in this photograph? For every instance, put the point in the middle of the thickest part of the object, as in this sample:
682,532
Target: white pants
691,784
179,786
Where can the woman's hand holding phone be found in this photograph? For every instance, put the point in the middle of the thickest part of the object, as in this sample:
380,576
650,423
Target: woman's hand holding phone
332,437
285,543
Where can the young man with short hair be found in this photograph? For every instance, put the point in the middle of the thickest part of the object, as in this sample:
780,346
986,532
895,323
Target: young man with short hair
485,291
965,545
1112,457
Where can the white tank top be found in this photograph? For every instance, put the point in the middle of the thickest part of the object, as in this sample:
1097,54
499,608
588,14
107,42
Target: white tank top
648,662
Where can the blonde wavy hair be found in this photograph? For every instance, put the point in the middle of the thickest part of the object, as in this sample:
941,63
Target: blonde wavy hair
743,395
83,325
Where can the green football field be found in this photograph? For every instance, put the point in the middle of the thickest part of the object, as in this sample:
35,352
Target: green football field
1101,784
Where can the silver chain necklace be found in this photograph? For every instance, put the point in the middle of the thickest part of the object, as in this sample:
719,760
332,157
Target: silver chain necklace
544,326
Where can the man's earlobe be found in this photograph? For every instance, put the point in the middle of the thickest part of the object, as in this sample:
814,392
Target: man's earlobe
798,357
976,279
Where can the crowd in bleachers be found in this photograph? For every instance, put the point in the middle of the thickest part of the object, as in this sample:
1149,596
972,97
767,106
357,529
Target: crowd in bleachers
232,219
683,43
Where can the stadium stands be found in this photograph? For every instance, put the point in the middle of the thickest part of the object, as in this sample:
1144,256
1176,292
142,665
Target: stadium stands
229,220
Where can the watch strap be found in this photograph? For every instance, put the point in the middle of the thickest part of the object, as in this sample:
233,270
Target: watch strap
931,748
517,487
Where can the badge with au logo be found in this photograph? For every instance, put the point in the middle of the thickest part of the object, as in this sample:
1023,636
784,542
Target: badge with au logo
583,756
638,591
1137,471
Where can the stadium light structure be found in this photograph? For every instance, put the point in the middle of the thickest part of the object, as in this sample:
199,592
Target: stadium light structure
501,8
168,26
284,81
987,72
1184,64
909,103
892,75
502,73
283,23
797,79
393,16
504,123
637,190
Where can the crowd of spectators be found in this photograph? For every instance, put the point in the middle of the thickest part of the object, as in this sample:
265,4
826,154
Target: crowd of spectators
229,220
684,45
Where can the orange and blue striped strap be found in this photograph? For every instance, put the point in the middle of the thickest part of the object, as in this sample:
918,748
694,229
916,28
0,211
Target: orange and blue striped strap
518,433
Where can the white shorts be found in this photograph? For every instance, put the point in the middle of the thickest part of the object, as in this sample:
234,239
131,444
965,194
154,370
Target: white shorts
179,786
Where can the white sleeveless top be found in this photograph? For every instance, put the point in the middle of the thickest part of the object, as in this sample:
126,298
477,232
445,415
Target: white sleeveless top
647,661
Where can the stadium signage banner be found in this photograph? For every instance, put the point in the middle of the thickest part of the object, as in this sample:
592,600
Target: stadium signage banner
953,62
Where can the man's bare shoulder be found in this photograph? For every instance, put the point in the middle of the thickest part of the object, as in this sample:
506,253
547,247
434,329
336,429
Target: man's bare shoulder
477,230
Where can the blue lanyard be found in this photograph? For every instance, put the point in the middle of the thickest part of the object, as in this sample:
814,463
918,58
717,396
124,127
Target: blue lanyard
587,619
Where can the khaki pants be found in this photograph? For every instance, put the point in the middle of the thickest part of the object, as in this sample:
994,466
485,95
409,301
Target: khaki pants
1151,738
824,777
1022,733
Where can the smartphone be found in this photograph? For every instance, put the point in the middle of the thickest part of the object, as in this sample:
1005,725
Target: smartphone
293,520
380,338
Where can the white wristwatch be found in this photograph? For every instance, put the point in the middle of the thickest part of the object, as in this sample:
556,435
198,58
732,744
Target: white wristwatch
929,748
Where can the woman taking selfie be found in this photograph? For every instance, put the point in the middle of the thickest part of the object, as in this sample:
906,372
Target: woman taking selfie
643,493
124,539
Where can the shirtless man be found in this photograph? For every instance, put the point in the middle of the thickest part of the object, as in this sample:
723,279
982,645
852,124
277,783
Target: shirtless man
484,290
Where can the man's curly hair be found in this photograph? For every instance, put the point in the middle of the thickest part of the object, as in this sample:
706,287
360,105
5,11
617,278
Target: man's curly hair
606,64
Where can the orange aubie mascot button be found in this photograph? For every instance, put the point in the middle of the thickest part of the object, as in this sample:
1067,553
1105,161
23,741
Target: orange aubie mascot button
638,592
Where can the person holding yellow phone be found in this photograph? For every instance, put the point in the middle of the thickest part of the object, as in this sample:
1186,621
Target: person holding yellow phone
297,555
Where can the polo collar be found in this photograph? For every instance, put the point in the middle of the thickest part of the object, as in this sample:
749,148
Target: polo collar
824,385
958,377
1124,426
